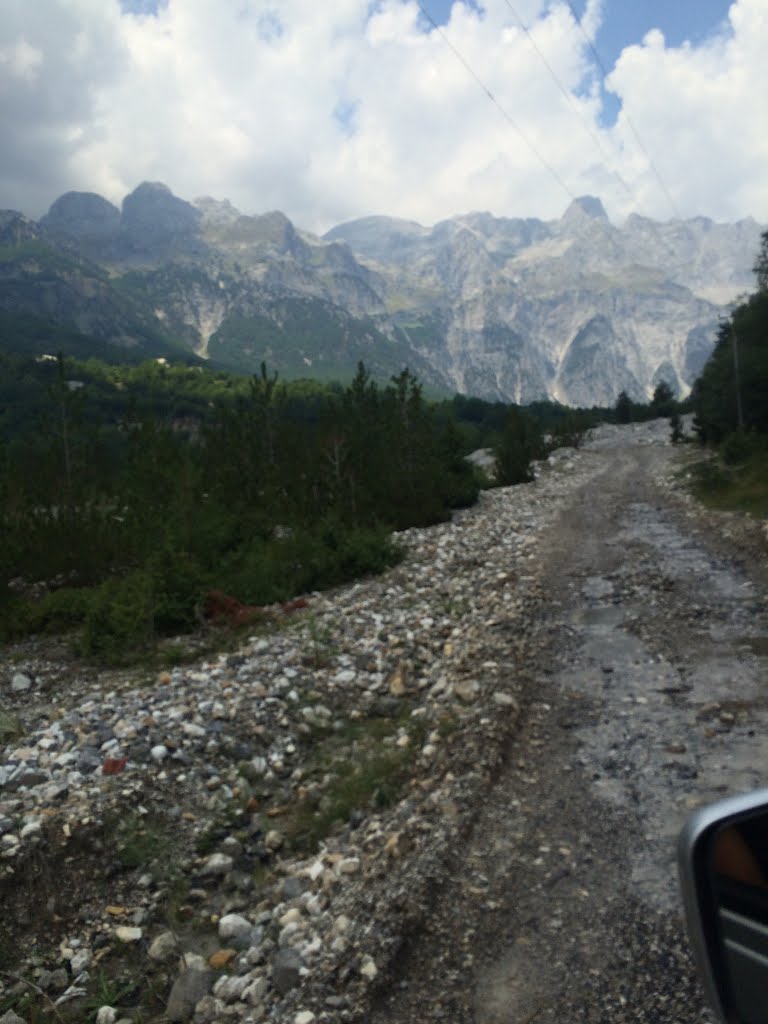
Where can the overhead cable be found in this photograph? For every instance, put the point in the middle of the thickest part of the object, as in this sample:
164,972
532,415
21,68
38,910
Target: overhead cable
504,113
572,103
597,59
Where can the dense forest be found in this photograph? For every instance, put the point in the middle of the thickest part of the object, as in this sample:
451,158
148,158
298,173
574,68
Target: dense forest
731,395
730,402
129,493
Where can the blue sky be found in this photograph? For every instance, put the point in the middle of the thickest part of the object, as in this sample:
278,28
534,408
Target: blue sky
626,22
355,107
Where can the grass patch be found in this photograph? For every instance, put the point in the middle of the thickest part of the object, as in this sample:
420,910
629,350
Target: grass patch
738,487
109,992
10,727
375,782
141,842
363,768
320,643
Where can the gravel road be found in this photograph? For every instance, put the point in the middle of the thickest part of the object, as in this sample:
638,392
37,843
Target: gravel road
646,700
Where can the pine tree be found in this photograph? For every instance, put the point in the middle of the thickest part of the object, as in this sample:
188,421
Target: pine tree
519,444
624,408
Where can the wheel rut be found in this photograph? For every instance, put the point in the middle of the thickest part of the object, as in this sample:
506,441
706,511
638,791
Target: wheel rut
647,697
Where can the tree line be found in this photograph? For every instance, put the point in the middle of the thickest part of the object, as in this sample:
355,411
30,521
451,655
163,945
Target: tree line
129,509
731,395
128,493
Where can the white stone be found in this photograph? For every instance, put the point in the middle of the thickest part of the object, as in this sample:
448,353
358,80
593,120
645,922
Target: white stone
217,864
255,992
126,934
230,988
315,905
341,925
106,1015
273,840
315,870
162,947
80,961
368,968
192,729
194,962
287,933
231,926
304,1017
349,866
20,683
504,700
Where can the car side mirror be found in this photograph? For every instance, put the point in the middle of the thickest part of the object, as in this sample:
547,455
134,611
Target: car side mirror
723,862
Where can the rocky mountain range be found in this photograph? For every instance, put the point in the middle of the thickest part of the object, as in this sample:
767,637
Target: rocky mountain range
575,309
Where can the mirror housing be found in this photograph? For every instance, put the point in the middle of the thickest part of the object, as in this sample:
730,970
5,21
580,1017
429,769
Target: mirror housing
723,863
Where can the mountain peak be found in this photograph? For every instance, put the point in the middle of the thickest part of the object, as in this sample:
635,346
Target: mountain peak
147,188
585,206
83,215
216,212
152,214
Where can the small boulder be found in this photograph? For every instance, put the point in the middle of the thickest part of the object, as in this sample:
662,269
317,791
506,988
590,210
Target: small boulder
11,1018
20,683
188,989
233,926
286,970
162,947
217,864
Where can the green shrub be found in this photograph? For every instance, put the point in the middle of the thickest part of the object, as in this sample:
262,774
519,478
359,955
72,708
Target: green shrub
11,727
306,559
710,477
120,618
56,611
179,584
739,447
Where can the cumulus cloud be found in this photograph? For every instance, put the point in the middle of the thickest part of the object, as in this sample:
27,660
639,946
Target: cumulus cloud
702,111
331,111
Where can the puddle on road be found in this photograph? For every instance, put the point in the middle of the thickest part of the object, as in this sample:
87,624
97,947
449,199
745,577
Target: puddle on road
680,557
757,644
606,616
652,751
597,587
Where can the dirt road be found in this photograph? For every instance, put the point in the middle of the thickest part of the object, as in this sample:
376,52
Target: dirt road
647,699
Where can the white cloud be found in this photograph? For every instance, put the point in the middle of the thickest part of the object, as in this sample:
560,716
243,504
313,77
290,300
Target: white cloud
331,111
21,60
701,113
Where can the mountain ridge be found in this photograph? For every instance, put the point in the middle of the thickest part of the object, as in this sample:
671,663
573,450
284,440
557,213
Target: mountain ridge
574,309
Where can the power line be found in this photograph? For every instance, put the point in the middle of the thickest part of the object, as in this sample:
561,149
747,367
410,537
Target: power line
569,97
504,113
596,57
